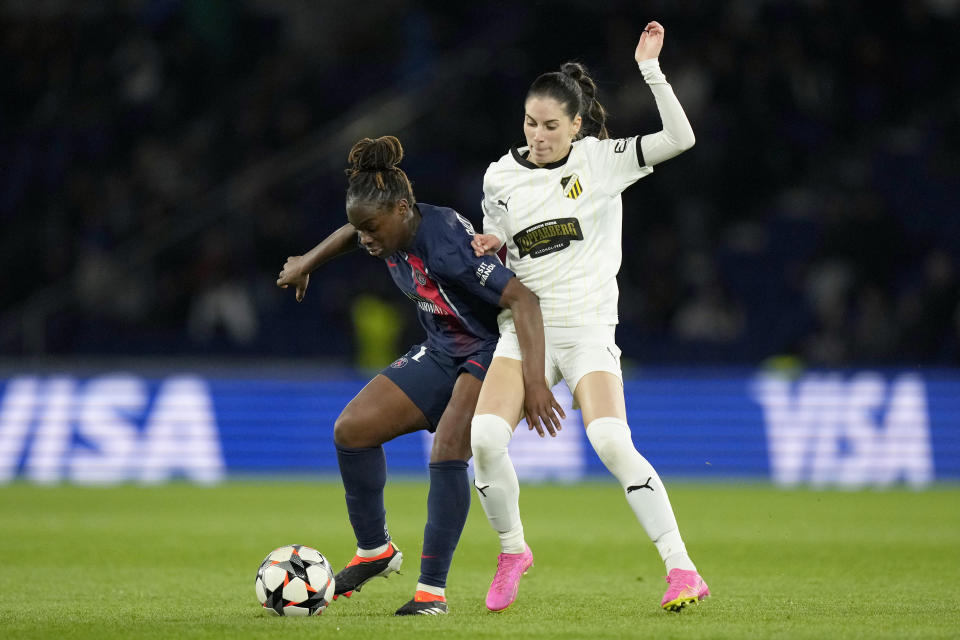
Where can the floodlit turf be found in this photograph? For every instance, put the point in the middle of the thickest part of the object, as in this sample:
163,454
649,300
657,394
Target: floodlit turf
179,562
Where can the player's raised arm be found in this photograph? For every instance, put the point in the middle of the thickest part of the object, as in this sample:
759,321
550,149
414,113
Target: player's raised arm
677,134
538,402
297,269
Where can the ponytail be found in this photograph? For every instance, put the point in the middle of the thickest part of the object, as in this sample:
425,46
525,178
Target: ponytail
374,175
593,114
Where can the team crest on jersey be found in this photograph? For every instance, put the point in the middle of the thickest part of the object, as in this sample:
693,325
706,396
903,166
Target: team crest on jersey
571,186
421,278
548,237
399,363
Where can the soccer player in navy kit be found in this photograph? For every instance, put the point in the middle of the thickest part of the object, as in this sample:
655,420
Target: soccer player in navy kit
435,386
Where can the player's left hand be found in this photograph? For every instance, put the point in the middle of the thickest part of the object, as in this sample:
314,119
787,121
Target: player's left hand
539,405
485,243
292,274
651,42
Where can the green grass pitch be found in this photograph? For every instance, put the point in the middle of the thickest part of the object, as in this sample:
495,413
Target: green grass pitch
179,562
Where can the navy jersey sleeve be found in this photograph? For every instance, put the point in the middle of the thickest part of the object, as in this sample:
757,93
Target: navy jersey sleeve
455,263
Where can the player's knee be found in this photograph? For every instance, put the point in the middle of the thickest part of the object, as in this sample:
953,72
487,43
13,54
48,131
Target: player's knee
489,436
446,452
447,447
348,431
610,438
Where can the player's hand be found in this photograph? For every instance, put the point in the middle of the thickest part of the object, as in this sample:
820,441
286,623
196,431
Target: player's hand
540,409
651,41
484,243
292,274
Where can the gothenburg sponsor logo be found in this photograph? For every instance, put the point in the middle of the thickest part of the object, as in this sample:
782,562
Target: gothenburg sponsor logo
548,237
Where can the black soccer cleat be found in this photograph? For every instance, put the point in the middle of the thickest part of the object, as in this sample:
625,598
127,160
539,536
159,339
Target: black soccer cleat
360,571
423,607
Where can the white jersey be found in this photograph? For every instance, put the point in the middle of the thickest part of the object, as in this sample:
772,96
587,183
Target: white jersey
562,225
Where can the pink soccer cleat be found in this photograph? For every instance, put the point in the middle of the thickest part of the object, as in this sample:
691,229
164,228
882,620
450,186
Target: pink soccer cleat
506,582
686,587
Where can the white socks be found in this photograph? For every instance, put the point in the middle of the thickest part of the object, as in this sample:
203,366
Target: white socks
499,490
496,479
429,588
372,553
646,495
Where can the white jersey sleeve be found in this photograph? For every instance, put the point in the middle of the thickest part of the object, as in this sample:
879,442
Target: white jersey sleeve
677,134
494,208
615,162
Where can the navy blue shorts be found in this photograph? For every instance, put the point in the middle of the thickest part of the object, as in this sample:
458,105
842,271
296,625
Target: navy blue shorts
427,377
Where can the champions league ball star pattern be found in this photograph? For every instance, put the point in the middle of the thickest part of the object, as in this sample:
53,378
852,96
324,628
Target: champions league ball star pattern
295,580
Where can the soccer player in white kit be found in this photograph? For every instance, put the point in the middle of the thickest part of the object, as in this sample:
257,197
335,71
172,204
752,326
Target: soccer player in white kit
556,206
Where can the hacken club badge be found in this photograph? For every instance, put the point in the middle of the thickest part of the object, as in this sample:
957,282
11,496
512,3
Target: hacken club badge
571,186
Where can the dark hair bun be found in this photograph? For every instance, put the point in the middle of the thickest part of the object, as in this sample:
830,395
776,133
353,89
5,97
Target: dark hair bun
573,69
382,154
578,72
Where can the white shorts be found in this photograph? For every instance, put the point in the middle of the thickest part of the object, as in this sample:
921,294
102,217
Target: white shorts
571,352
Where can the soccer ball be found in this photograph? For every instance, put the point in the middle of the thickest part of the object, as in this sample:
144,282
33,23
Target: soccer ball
295,580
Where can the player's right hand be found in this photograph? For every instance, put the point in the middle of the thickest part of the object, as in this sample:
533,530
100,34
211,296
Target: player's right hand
651,42
539,405
292,274
484,243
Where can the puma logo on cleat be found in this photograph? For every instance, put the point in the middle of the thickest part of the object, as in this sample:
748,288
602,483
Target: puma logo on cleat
480,489
645,485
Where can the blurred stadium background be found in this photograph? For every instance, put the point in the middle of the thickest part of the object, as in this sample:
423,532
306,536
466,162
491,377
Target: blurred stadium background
790,292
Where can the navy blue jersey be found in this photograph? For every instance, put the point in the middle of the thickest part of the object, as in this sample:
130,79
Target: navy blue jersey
457,294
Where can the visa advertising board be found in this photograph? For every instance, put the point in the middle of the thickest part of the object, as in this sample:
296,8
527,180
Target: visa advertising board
852,429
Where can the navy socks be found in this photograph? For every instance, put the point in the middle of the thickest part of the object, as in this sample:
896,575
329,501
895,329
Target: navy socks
364,473
448,504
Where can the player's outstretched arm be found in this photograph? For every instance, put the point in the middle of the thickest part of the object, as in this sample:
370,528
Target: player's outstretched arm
677,134
297,269
539,405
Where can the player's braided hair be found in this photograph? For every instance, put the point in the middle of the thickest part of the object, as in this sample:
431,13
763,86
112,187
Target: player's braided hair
573,88
374,176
